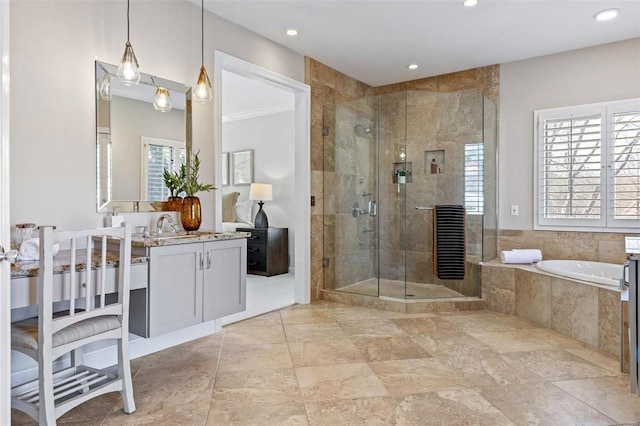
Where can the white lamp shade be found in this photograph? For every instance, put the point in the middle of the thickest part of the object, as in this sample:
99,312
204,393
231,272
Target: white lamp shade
261,192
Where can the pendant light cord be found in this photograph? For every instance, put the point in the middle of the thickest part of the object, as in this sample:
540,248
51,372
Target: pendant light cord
202,32
127,21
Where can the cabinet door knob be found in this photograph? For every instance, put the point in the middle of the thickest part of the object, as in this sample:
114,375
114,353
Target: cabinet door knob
252,263
208,259
252,250
201,261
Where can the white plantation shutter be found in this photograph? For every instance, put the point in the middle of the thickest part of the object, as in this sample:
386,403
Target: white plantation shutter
571,168
158,155
474,178
625,167
588,166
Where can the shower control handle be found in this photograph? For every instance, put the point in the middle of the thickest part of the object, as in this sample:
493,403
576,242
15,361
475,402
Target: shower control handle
356,210
373,208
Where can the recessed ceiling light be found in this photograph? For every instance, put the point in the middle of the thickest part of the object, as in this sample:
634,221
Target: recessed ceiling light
412,66
292,32
607,14
470,3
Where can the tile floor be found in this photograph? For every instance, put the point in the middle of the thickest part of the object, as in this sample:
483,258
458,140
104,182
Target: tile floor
329,364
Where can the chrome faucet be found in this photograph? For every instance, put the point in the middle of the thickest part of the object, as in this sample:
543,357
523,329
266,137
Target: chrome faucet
160,223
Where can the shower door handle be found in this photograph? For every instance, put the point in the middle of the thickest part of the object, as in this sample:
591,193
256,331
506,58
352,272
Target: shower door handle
373,208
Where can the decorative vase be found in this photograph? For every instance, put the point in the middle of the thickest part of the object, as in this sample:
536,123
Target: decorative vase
191,213
174,204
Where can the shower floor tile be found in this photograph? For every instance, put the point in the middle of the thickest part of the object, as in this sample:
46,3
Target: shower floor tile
396,289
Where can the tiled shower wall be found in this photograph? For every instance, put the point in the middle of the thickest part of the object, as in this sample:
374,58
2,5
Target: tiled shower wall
327,87
422,123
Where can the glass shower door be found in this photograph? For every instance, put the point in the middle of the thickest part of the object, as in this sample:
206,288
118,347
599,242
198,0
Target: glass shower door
350,220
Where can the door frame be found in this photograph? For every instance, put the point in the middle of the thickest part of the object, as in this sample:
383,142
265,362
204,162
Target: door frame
5,240
302,112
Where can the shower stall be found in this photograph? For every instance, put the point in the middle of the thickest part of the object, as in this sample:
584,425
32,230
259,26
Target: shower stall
388,161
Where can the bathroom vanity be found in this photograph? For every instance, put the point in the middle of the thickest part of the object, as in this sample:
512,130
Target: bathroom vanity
177,280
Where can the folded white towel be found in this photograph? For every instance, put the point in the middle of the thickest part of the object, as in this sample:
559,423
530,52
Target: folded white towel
521,256
535,254
30,249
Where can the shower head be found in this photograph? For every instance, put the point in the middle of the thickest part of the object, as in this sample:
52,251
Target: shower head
366,130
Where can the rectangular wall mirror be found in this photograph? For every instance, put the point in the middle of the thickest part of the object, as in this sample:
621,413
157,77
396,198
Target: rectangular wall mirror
136,141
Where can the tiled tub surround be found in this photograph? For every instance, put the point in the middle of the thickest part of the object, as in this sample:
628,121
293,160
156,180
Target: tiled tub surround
590,313
595,246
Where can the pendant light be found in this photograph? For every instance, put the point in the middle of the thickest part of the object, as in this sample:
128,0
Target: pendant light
128,73
162,100
203,92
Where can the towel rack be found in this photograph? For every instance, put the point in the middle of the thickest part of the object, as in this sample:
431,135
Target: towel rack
424,207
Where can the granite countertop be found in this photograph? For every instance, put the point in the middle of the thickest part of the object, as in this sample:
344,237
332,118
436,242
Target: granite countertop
170,239
62,263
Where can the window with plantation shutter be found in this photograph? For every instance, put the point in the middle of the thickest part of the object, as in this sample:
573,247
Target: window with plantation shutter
158,155
474,178
587,166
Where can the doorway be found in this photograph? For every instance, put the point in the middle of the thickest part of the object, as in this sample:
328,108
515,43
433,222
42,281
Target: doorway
268,115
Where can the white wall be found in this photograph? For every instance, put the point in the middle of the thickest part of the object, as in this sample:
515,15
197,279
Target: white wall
595,74
53,48
272,138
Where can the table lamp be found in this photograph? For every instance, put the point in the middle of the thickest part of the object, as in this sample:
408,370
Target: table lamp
261,192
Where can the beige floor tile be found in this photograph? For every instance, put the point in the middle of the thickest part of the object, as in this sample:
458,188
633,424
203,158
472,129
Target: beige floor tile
305,316
425,326
339,381
308,354
490,322
511,341
254,335
271,318
256,387
554,338
448,343
558,365
254,357
285,414
489,368
408,376
166,398
599,358
609,395
542,404
175,416
453,407
372,328
377,411
202,358
313,332
388,348
357,313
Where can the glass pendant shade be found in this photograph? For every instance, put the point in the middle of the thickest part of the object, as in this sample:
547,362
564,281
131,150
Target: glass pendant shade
104,88
128,73
162,100
203,92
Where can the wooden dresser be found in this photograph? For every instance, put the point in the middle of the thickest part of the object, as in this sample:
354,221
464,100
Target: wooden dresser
267,251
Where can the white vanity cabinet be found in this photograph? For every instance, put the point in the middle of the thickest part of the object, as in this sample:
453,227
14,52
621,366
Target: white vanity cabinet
195,282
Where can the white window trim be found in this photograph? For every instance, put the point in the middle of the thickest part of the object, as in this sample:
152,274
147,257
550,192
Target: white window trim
144,157
606,223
